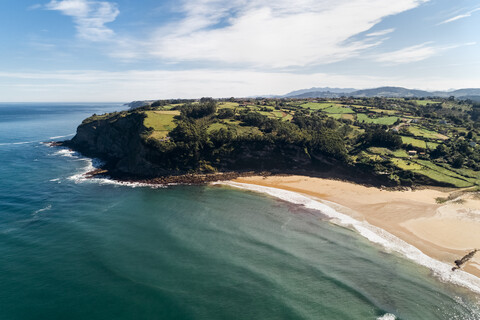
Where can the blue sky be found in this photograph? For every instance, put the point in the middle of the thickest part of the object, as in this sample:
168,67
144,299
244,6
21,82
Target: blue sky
123,50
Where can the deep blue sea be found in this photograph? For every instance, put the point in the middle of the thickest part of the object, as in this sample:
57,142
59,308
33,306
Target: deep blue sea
75,249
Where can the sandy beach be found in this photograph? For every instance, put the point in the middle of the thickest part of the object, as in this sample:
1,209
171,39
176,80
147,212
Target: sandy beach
445,232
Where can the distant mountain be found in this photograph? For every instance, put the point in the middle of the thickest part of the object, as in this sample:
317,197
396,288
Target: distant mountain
473,98
325,89
318,94
466,92
392,92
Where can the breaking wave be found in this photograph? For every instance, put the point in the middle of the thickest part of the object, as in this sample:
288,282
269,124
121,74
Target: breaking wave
375,234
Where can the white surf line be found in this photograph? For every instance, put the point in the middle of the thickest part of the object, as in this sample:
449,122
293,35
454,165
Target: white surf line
27,142
375,234
48,207
17,143
91,165
58,137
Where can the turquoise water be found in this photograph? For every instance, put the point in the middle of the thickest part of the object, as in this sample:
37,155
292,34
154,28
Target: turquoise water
90,250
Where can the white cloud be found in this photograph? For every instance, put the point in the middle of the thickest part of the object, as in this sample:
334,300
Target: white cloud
460,16
380,33
79,86
90,17
273,34
416,53
410,54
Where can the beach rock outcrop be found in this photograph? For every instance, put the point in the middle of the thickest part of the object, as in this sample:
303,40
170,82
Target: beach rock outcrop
460,262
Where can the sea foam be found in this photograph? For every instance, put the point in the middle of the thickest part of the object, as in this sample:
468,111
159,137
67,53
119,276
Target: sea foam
376,235
48,207
58,137
387,316
93,164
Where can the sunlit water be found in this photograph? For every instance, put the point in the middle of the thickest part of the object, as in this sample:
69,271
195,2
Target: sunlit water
72,249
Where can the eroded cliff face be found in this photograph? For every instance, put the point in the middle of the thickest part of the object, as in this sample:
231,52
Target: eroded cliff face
118,141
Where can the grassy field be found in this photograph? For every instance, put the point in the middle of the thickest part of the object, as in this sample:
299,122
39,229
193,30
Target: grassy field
468,173
269,114
382,120
216,126
389,112
425,102
440,177
171,106
443,170
231,105
318,105
335,116
444,174
338,110
400,153
434,172
422,132
406,164
161,122
275,114
381,151
431,145
414,142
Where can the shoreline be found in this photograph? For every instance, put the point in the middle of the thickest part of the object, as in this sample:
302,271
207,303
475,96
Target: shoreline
399,214
441,233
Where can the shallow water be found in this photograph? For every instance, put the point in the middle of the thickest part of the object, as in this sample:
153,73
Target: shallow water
92,250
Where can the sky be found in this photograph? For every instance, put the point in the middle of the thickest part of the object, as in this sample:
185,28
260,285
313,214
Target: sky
125,50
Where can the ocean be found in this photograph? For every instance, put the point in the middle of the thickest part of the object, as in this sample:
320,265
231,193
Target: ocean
73,248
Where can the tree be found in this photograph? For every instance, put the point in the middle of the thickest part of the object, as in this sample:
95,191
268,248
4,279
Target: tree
381,138
225,113
159,103
458,161
440,151
196,111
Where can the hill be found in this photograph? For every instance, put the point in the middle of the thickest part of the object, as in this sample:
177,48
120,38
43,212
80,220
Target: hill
371,140
391,92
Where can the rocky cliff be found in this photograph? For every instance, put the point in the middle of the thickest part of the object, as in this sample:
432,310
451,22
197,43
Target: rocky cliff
120,140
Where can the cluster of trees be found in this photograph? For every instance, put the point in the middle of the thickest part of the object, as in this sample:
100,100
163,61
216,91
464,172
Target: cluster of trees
205,108
378,137
192,147
162,103
457,153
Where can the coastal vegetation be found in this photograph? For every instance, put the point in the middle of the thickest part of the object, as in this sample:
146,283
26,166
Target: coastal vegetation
398,141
